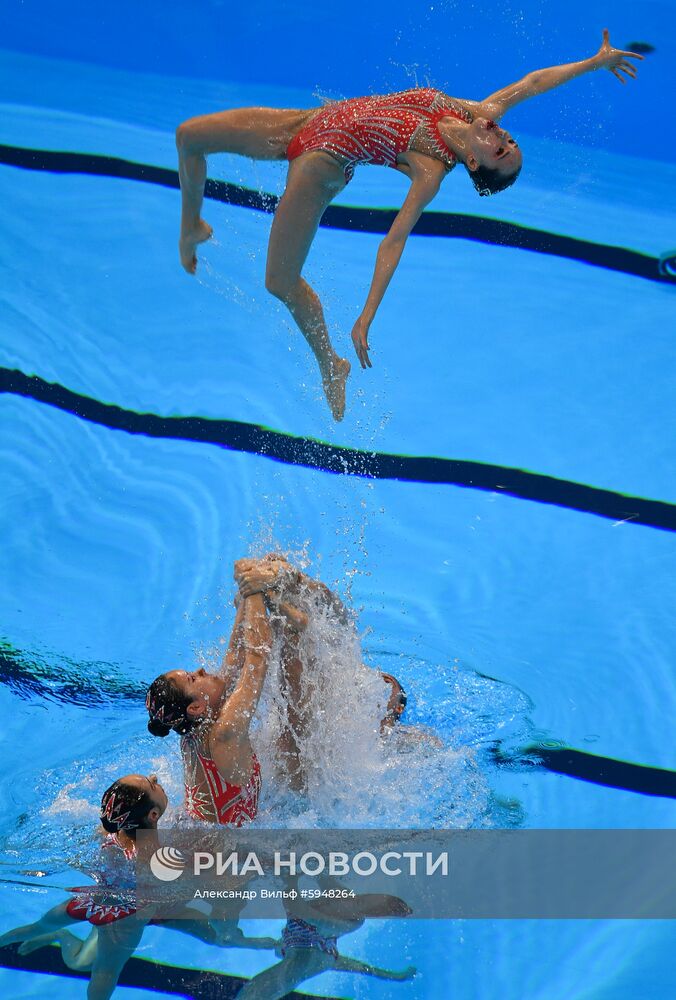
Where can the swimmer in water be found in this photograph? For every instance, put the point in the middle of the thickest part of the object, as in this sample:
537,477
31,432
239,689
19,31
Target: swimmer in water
213,713
310,941
391,726
423,133
134,802
222,774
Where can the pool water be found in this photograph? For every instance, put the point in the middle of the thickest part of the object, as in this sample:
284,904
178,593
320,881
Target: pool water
514,617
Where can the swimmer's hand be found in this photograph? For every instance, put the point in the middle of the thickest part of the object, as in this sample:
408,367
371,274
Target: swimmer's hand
256,576
615,59
360,339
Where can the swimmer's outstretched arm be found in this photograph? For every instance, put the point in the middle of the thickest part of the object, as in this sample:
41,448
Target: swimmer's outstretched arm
542,80
231,663
235,717
426,176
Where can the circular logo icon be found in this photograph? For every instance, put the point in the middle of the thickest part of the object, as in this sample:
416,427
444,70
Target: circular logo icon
167,864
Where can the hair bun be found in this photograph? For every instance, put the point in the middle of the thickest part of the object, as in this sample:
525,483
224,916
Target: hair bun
158,728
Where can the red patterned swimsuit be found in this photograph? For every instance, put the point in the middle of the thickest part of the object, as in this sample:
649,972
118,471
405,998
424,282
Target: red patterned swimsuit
99,905
233,805
377,129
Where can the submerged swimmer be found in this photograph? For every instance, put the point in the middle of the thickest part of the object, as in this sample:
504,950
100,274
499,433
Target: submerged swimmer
310,941
391,726
422,132
132,803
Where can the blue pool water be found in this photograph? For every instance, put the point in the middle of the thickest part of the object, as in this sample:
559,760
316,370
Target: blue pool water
514,616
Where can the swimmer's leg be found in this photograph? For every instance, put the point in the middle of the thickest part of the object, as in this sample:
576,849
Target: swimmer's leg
223,933
296,693
77,954
344,964
314,179
53,920
229,935
200,929
116,944
260,133
298,966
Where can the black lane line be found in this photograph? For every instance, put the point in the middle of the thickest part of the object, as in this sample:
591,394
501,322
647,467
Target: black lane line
312,454
367,220
142,974
88,684
606,771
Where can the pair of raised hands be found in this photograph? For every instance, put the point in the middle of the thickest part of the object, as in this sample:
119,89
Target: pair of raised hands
259,576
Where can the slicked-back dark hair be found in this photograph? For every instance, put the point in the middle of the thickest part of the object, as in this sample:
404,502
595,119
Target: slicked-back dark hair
125,807
487,181
167,707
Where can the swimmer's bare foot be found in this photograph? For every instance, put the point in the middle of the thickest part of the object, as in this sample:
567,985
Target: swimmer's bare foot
334,387
408,973
33,944
188,242
16,936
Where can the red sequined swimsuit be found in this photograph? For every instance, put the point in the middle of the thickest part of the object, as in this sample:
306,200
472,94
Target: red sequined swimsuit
106,903
377,129
233,805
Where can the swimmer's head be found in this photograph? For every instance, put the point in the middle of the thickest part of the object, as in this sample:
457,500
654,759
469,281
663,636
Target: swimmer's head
133,803
492,157
396,702
180,700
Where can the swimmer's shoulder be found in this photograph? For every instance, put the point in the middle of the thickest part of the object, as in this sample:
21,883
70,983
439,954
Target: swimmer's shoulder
465,104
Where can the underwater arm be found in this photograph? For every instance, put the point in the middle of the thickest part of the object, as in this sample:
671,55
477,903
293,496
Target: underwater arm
425,180
542,80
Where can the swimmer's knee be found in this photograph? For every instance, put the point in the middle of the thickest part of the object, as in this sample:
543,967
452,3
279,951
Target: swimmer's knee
186,135
281,286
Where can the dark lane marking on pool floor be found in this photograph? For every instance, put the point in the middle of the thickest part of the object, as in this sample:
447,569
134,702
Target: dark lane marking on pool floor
313,454
90,684
453,225
142,974
606,771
